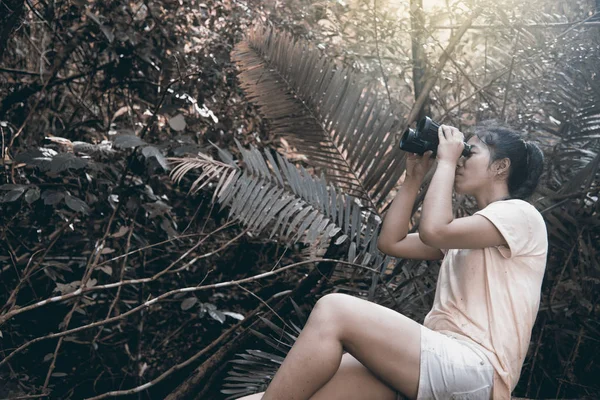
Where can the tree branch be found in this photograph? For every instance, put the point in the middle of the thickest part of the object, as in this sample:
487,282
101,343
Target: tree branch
414,112
155,300
84,290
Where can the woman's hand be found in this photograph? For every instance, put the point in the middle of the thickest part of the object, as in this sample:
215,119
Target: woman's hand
451,144
417,166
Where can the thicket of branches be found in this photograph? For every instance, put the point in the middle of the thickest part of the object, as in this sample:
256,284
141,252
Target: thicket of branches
116,281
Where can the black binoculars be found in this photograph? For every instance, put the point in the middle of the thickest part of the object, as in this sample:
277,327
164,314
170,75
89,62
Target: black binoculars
425,138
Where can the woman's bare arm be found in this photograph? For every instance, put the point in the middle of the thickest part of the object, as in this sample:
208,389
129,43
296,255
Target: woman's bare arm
394,239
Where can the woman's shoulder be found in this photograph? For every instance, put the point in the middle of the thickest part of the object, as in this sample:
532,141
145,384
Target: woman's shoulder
526,206
519,211
521,224
515,205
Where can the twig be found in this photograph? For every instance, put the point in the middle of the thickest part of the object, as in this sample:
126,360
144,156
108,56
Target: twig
461,70
414,112
227,225
510,70
570,361
167,294
534,358
27,272
30,396
122,273
86,276
475,93
562,271
580,23
57,66
80,291
18,71
525,26
210,253
266,305
26,92
385,81
224,336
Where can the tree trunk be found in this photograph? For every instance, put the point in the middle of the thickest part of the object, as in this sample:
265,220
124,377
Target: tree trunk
10,14
419,58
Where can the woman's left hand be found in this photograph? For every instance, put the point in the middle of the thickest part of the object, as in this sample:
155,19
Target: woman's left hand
451,144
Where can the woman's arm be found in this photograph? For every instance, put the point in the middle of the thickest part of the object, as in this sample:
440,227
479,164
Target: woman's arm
394,239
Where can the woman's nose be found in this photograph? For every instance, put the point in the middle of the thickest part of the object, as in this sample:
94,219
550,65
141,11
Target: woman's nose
460,162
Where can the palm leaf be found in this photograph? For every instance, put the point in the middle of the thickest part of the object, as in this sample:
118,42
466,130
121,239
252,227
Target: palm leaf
345,130
271,196
252,371
212,170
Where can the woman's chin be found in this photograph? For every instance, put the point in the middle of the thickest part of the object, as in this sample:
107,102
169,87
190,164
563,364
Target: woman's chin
457,188
460,189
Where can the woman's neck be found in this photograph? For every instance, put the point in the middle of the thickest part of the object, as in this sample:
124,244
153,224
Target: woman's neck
492,194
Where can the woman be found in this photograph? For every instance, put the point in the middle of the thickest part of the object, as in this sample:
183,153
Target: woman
473,341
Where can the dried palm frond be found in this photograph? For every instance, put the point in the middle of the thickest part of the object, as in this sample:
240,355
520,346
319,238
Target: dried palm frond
211,171
569,204
271,195
253,371
344,129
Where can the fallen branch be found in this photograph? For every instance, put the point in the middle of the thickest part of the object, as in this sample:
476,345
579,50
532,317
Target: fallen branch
16,311
168,294
207,372
224,336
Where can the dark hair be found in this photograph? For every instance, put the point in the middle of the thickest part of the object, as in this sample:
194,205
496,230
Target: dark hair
526,158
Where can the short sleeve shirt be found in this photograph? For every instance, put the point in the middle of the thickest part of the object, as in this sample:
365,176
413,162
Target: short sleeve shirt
491,296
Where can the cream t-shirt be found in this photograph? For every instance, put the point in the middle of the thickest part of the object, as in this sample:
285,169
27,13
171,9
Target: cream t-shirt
491,296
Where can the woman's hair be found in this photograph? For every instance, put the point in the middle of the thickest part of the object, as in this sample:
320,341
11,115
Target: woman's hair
526,158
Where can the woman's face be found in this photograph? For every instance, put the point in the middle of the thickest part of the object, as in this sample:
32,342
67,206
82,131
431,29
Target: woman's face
473,173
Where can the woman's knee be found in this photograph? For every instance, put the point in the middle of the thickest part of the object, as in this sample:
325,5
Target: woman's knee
331,310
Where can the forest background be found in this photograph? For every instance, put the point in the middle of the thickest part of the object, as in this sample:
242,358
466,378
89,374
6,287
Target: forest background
118,281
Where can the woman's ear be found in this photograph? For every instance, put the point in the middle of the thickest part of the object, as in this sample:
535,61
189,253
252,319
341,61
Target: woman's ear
501,167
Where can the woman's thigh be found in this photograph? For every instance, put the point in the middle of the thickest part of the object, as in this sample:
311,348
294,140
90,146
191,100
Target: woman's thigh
386,342
353,381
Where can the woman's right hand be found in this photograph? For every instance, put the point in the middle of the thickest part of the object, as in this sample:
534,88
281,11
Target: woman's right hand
417,166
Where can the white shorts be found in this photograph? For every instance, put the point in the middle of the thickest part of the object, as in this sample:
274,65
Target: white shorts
452,368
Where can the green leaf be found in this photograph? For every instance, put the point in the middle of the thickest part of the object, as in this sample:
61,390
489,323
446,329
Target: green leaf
127,141
77,204
218,315
52,197
234,315
153,152
105,29
33,194
64,161
13,195
188,303
9,186
177,123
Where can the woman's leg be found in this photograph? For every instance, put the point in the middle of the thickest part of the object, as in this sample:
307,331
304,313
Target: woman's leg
352,381
384,341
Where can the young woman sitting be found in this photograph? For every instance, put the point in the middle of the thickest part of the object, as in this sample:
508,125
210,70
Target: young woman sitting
473,342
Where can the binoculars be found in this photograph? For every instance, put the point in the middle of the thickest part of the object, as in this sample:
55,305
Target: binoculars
425,138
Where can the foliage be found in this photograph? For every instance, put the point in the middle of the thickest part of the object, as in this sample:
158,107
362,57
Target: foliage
343,129
99,99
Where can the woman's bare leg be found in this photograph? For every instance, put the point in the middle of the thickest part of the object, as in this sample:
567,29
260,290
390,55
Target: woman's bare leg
352,381
384,341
